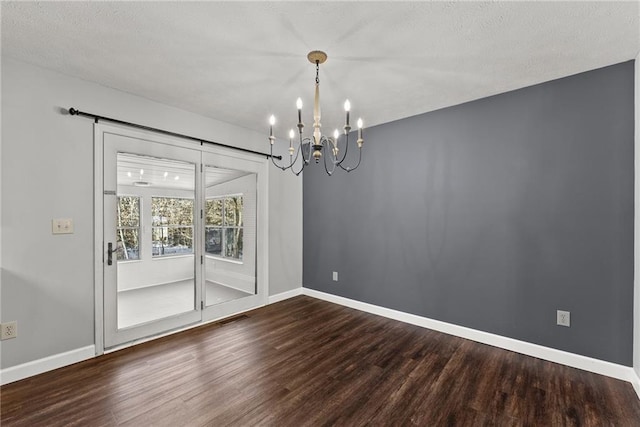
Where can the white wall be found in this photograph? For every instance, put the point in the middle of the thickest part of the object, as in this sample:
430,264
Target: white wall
47,172
155,271
285,241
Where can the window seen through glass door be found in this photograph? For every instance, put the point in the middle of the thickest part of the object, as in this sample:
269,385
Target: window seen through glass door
224,227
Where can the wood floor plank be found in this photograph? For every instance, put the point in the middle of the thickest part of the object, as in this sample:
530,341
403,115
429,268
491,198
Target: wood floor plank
306,362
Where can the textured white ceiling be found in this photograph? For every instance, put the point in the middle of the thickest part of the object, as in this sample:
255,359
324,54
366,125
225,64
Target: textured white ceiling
239,62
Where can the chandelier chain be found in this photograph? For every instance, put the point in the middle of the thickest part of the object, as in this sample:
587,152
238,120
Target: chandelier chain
317,72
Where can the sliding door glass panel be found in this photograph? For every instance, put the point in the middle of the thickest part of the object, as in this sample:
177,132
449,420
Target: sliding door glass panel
155,248
229,235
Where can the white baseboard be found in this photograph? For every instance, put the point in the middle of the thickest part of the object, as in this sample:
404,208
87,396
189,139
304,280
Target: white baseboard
635,382
284,295
597,366
49,363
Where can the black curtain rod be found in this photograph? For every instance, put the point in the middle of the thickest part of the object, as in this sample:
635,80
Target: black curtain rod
96,117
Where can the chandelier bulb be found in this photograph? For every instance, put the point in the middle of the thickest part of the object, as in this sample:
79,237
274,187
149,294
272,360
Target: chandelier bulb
299,103
359,123
291,134
272,120
336,134
347,105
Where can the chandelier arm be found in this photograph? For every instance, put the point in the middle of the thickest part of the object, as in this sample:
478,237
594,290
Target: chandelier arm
284,168
297,155
291,161
274,162
301,168
306,141
334,145
349,168
326,142
304,161
346,148
329,172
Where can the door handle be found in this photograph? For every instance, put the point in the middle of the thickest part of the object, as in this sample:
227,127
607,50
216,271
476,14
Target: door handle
110,252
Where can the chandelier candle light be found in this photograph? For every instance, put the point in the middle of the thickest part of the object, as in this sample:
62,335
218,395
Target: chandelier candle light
314,146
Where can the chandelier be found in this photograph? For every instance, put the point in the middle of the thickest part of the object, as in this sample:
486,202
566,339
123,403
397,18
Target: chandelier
307,147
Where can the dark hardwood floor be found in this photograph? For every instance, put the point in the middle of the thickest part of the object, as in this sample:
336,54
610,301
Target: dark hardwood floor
308,362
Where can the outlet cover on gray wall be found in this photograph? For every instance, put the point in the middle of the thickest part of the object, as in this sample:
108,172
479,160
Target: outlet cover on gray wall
563,318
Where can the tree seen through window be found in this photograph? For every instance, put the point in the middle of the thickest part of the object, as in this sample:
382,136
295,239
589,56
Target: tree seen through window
128,228
224,226
171,226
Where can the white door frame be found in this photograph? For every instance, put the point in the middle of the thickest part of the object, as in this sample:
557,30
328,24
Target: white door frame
262,235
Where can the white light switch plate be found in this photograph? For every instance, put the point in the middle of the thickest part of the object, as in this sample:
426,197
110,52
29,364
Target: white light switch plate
62,226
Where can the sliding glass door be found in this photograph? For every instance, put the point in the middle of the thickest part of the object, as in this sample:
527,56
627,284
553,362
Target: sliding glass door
182,238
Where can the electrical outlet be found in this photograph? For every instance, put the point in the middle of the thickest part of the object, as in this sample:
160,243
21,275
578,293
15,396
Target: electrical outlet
335,276
563,318
9,330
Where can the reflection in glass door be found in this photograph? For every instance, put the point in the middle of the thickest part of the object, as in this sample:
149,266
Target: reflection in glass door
229,235
151,206
155,228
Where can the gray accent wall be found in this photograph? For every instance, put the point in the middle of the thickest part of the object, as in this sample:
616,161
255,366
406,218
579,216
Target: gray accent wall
492,215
